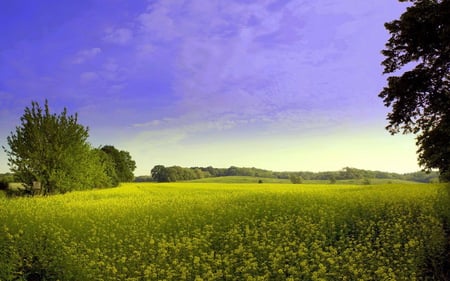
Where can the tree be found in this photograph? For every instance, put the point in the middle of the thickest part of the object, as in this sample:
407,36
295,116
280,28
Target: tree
332,179
296,179
175,173
4,184
160,174
53,150
109,167
123,163
420,97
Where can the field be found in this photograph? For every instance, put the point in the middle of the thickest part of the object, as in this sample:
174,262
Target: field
250,179
239,179
219,231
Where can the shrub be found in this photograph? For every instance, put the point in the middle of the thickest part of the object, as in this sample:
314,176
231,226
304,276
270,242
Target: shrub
4,184
296,179
332,180
366,181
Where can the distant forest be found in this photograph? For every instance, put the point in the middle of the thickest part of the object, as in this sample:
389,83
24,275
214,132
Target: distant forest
161,173
176,173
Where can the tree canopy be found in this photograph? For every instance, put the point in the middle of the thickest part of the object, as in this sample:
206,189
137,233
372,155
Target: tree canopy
417,55
52,150
123,164
161,173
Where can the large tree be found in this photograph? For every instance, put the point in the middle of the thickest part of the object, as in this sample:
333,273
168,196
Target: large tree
418,57
124,165
160,173
52,149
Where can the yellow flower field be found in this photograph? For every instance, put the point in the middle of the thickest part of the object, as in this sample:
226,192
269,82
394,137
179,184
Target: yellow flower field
207,231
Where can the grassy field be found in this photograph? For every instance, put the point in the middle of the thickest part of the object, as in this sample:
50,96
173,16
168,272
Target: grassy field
218,231
239,179
249,179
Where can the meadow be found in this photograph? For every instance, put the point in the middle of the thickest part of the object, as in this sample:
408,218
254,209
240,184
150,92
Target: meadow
228,231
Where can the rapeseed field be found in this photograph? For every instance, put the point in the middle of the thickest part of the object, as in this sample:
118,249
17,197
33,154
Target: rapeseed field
207,231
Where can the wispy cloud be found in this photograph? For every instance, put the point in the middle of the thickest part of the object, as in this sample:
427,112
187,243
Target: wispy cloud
85,55
266,63
192,73
119,36
87,77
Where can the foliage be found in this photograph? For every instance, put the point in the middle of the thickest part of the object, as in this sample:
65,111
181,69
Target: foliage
5,179
4,184
143,179
366,181
53,150
123,164
239,179
109,167
420,97
160,173
236,171
333,179
184,231
295,179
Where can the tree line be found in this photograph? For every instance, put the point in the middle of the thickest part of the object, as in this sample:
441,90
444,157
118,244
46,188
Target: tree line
160,173
49,153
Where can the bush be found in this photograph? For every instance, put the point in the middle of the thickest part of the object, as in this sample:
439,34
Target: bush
4,184
366,181
295,179
332,180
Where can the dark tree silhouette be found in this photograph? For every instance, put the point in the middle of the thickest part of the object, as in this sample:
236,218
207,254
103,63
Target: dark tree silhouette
419,48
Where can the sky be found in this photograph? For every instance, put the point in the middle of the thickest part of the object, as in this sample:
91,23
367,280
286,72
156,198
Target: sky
285,85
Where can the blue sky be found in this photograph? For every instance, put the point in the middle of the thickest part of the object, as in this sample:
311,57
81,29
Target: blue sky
281,85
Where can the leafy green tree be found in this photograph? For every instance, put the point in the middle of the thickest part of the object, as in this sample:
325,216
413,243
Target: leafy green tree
232,171
175,173
129,165
332,179
123,164
420,97
109,167
296,179
53,150
160,174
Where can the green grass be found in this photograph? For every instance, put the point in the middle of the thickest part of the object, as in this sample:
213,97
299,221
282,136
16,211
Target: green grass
371,181
249,179
240,179
222,231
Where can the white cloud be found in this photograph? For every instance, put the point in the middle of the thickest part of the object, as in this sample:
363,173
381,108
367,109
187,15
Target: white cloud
113,71
88,76
145,51
85,55
249,60
158,22
119,36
